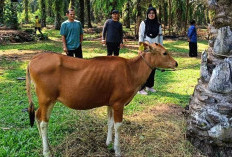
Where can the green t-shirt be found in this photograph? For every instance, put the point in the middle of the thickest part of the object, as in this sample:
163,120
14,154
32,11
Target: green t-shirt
72,32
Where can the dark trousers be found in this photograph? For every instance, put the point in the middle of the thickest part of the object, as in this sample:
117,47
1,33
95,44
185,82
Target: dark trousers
39,28
77,52
192,49
150,80
113,48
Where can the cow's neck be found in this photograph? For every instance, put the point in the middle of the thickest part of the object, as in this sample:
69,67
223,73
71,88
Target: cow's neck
140,69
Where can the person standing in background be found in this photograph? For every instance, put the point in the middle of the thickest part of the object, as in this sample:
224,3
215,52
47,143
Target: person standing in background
112,34
37,25
72,35
150,31
192,39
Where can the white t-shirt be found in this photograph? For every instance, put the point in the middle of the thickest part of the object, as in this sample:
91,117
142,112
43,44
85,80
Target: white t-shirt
142,38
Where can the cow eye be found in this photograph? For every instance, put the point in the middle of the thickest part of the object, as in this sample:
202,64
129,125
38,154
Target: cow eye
165,53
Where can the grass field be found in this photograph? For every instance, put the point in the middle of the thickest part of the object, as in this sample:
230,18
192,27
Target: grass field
17,138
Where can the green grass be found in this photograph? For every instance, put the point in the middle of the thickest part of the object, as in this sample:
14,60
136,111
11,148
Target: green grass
17,138
41,45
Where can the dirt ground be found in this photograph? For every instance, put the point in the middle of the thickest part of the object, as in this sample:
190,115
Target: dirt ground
157,131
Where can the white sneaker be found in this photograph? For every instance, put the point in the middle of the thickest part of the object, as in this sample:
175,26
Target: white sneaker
150,89
143,92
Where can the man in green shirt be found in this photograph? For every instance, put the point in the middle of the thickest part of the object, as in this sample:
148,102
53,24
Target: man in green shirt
72,35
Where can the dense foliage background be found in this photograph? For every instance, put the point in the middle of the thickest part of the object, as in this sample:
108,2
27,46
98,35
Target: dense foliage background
173,14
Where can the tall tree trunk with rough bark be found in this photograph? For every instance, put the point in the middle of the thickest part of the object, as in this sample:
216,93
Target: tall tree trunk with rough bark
127,13
138,17
14,19
89,13
65,7
50,12
82,12
186,17
58,10
170,16
2,2
43,12
209,123
26,11
179,12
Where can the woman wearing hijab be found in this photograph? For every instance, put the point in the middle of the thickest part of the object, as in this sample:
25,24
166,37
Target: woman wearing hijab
150,31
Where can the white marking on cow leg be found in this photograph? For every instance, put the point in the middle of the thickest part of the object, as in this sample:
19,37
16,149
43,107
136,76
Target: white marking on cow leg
44,128
110,125
117,127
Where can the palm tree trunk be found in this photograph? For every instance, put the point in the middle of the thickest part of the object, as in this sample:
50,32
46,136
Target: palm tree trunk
82,12
58,9
89,13
14,19
127,12
1,11
186,17
209,124
43,13
26,10
138,18
170,16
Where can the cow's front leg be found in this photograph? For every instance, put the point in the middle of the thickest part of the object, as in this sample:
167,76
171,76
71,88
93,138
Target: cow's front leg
117,127
110,125
44,134
118,114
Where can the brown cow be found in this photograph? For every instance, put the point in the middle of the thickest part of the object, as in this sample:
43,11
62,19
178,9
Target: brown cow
84,84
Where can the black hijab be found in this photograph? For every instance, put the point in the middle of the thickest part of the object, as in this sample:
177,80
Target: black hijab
152,26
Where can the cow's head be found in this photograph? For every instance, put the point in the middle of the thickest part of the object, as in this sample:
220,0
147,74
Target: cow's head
160,57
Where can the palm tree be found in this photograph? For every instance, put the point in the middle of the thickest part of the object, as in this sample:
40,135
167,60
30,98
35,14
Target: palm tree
26,11
88,13
2,3
43,12
209,124
82,12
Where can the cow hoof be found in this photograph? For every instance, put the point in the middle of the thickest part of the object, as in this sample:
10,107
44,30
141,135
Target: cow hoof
118,154
47,154
117,151
109,143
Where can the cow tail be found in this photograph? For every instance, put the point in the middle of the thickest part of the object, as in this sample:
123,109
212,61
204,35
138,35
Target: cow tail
31,108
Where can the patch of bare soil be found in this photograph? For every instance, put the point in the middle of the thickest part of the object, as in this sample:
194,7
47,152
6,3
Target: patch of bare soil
158,131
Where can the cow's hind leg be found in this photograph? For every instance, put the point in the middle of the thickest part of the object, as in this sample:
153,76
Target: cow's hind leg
38,124
118,115
42,116
110,125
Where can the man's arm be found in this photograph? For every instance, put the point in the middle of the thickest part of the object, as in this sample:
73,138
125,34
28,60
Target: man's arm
141,31
81,38
104,33
64,44
190,33
81,33
121,36
62,33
